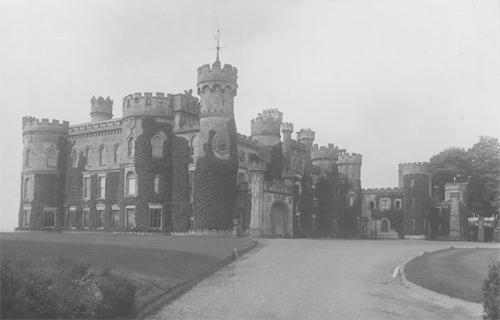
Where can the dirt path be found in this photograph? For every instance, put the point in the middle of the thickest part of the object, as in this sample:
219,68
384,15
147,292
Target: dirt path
315,279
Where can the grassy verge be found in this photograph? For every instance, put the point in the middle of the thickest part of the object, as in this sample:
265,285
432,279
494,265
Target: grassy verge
458,273
156,264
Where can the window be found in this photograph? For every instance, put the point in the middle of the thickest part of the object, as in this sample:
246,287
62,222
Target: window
87,155
102,187
26,217
351,199
155,218
191,223
157,183
115,154
116,218
74,159
100,218
194,146
385,204
130,216
102,156
372,205
131,147
398,204
50,218
412,224
157,147
28,188
86,187
86,213
27,160
72,213
130,182
51,158
385,226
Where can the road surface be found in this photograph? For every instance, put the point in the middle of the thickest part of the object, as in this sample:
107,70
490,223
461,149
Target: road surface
317,279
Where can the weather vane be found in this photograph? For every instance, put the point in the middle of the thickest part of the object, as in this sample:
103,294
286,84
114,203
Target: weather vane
217,46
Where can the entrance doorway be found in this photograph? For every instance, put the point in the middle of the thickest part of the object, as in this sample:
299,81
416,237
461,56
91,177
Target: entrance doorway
279,220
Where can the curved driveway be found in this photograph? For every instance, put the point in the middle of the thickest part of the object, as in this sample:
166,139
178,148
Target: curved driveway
316,279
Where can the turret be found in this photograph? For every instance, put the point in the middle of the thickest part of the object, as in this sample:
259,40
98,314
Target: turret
265,128
416,197
350,165
306,136
257,223
101,109
456,195
324,157
287,129
139,105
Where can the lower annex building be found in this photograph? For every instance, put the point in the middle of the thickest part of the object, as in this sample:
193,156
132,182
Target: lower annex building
117,174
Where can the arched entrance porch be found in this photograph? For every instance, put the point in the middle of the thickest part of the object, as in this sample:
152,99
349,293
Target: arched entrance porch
279,220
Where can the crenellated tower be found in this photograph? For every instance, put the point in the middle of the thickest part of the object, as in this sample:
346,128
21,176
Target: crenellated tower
217,87
287,129
101,109
306,136
456,195
350,166
44,154
416,197
265,128
324,157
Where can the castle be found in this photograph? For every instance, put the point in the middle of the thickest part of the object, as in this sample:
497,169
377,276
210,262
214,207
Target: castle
131,173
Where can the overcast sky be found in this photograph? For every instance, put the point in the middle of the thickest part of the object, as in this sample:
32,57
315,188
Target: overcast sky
397,81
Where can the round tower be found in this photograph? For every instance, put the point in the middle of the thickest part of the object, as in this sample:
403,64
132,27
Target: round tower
350,166
44,154
324,157
265,128
416,197
217,88
101,109
306,136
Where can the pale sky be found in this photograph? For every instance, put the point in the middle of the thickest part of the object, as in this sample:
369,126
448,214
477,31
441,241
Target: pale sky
397,81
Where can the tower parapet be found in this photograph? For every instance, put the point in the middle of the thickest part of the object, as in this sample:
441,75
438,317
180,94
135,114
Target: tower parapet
32,124
139,105
329,152
101,109
227,75
306,136
266,127
415,168
353,158
257,166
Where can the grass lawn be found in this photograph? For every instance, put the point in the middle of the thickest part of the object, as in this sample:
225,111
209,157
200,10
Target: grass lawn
458,273
155,263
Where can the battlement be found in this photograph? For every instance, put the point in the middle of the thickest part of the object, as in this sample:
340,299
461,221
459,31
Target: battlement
267,123
246,140
215,73
298,145
329,152
287,127
306,134
455,186
382,190
147,105
91,127
32,124
257,166
215,112
353,158
101,109
415,168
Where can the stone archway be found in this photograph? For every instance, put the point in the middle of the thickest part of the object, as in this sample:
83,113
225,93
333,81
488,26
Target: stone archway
279,220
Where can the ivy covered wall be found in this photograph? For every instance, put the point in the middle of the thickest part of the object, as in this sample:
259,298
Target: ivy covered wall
326,192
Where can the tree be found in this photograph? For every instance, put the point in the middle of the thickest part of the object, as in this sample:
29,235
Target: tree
484,186
450,165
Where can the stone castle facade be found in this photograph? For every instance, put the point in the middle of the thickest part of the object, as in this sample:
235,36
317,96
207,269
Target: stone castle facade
103,195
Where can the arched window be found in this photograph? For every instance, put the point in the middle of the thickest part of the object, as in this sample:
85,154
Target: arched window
372,205
385,204
87,154
28,188
131,147
74,159
130,183
51,158
102,156
398,204
27,160
115,154
194,146
157,147
385,226
412,224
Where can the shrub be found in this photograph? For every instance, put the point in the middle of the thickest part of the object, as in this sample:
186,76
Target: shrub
491,292
65,289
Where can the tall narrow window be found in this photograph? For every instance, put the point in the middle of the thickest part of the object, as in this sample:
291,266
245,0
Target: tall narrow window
155,218
130,183
87,156
115,154
100,218
50,218
102,187
157,184
116,218
131,147
51,158
86,188
351,200
372,205
130,216
86,213
157,147
194,146
74,159
28,188
191,223
385,226
27,159
398,204
26,217
412,224
102,156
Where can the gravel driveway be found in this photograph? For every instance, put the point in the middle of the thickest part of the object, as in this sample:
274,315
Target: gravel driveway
316,279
